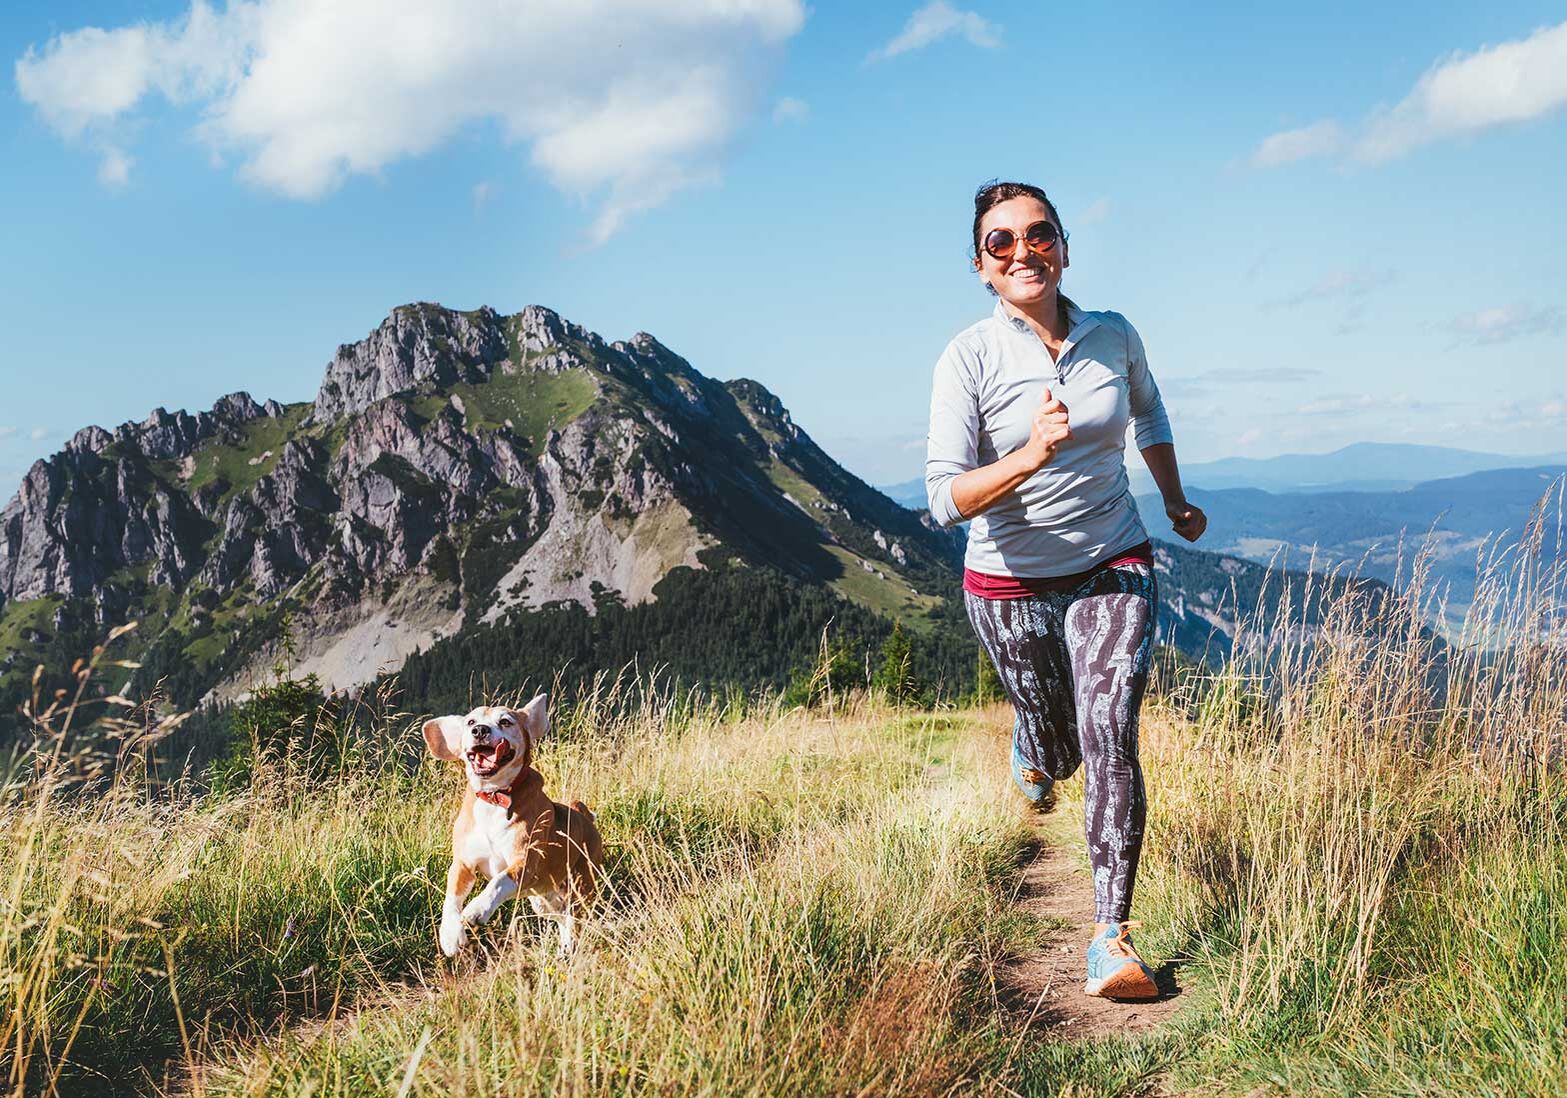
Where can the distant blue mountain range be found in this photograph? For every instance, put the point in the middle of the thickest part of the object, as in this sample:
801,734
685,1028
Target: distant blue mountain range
1459,521
1365,507
1361,467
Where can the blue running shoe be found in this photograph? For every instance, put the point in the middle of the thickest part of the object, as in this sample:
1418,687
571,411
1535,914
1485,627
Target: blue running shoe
1115,971
1034,784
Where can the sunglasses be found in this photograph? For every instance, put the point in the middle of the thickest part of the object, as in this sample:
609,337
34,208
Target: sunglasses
1040,237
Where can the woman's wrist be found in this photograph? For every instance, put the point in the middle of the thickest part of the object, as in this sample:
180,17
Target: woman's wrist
1020,465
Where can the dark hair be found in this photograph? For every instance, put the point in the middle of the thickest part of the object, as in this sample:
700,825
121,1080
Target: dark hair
994,193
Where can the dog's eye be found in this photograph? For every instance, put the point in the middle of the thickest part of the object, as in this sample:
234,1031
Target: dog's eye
505,720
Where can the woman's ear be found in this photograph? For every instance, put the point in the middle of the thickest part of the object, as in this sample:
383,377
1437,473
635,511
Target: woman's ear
979,272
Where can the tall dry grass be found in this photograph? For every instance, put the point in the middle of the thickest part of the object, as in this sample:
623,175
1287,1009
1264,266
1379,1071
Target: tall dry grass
1360,829
1355,855
788,893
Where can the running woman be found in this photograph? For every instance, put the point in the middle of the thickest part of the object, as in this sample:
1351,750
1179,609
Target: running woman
1028,421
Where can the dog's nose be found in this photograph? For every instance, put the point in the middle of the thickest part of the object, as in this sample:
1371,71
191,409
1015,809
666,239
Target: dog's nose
481,733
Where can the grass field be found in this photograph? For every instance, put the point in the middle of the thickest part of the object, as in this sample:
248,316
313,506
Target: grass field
1355,854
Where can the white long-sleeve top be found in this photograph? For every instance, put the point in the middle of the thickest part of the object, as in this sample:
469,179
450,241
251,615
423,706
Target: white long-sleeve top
1077,510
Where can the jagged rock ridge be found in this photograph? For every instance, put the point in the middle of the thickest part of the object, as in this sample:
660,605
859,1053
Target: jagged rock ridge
452,467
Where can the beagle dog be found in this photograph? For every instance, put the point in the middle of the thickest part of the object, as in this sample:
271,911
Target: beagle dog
508,829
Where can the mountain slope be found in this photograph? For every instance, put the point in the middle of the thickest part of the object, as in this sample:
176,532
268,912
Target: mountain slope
1456,519
1359,467
455,467
499,495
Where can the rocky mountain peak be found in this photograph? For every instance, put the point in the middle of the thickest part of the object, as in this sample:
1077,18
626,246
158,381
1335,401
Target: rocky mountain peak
455,466
89,440
417,344
764,409
425,346
540,330
165,435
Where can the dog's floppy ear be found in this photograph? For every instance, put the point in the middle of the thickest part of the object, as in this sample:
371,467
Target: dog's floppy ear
443,735
535,718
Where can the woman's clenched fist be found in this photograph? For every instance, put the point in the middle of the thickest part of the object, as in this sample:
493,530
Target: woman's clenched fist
1050,429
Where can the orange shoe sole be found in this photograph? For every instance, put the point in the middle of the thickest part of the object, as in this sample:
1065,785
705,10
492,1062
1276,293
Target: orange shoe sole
1126,982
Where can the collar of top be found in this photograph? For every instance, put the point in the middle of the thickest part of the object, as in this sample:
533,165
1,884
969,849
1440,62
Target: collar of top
1074,317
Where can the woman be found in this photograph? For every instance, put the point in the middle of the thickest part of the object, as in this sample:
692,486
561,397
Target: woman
1027,434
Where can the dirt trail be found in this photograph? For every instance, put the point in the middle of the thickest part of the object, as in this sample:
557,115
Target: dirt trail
1044,991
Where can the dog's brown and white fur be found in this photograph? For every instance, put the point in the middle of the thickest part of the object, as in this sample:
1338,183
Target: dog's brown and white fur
508,829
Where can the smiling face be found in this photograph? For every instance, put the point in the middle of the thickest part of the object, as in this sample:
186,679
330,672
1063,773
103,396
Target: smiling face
493,742
492,737
1023,278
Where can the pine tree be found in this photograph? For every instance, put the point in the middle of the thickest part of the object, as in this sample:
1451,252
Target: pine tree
987,684
895,679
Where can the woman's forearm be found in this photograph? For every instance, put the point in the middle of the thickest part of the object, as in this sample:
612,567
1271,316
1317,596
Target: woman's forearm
978,490
1160,459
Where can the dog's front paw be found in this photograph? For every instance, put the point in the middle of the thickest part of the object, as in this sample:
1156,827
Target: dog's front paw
453,936
478,911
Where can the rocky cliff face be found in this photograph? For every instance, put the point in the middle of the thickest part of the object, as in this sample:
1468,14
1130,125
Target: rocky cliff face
454,466
94,508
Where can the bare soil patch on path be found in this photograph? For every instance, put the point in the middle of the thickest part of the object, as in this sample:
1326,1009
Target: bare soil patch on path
1044,991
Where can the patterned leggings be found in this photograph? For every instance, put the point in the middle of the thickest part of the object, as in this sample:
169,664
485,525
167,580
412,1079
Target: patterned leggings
1074,664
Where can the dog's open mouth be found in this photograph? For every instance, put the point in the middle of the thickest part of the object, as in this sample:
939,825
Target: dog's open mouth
486,758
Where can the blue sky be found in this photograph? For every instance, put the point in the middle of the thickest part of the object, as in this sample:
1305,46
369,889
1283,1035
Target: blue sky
1330,224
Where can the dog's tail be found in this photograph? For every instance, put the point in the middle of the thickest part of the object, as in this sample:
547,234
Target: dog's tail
578,806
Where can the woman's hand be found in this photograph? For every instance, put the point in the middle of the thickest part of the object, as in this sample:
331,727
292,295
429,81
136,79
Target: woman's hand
978,490
1049,430
1186,519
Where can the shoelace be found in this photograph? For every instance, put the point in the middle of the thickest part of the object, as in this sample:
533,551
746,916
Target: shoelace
1121,944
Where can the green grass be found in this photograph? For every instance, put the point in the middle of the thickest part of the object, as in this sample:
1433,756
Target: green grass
243,461
17,618
888,593
799,489
893,595
1363,878
534,402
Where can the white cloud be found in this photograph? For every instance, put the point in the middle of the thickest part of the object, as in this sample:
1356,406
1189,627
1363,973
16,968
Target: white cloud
790,109
1463,93
1270,375
1340,284
1250,438
1338,405
1225,378
1517,415
1507,322
483,193
115,168
627,101
1317,139
936,21
1192,410
37,434
1097,211
1360,403
7,432
1512,82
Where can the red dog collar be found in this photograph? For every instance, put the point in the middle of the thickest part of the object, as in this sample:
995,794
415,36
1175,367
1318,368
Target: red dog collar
500,797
